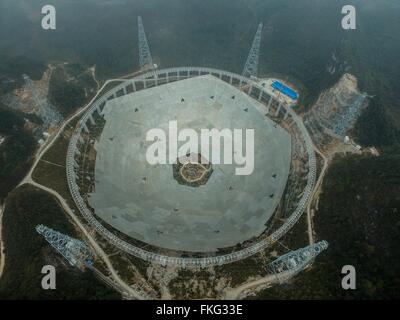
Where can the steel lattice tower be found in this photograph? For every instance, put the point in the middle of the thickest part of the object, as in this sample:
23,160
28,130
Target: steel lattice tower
296,261
47,112
36,96
251,67
75,251
145,59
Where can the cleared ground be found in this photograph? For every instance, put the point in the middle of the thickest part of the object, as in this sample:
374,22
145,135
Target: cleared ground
146,203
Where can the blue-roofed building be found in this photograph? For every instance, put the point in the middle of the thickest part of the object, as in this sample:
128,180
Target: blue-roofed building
285,90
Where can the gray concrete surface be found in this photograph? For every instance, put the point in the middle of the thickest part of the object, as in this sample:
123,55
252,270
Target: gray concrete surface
162,212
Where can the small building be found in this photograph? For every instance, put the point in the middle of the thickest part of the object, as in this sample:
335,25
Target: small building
285,90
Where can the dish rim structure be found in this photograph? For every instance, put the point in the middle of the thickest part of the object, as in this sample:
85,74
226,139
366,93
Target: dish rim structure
159,77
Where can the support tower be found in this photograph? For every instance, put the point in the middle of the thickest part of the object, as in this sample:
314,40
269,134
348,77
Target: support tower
251,66
145,59
75,251
295,261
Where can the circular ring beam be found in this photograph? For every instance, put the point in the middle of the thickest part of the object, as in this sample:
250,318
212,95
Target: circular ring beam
159,77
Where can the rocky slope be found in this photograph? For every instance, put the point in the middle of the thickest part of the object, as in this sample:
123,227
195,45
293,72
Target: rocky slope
336,110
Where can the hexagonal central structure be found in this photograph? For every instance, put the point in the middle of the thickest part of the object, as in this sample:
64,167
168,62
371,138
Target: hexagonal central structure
192,170
146,203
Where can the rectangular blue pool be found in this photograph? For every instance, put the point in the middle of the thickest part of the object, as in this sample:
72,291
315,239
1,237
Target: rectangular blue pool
285,90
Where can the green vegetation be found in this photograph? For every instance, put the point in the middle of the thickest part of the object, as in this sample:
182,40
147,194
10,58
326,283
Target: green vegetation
359,216
371,54
15,151
13,67
51,171
193,285
199,173
301,41
70,87
239,271
375,127
27,252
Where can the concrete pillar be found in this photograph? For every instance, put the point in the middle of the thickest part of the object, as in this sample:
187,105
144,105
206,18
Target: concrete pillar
259,96
287,112
279,109
269,104
92,120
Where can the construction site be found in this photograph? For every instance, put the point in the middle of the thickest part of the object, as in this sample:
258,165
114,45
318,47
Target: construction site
157,222
209,151
106,196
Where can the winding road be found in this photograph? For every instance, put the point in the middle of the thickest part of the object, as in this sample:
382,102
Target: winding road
315,195
235,293
124,288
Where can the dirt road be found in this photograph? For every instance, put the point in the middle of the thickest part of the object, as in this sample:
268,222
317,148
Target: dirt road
315,195
124,287
235,293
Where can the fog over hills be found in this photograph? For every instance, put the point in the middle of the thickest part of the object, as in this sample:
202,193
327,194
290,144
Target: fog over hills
357,204
299,39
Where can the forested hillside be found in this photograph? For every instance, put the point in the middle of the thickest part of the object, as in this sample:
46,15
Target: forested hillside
359,215
70,87
15,151
27,252
302,42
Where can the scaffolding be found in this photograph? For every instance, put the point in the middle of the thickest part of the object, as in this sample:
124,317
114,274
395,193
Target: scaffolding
47,112
159,77
251,67
295,261
145,59
75,251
